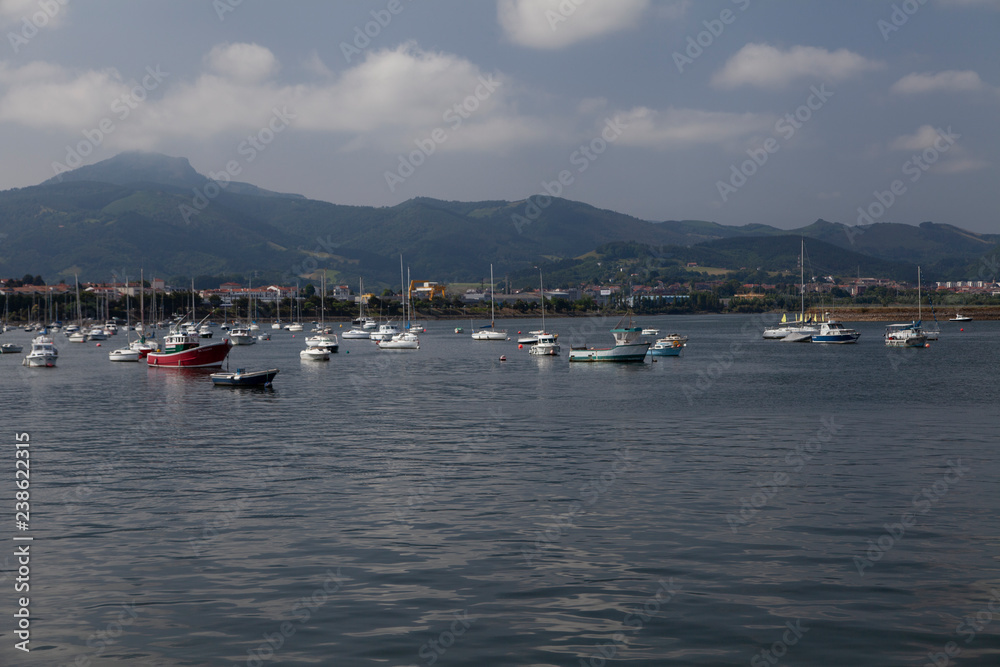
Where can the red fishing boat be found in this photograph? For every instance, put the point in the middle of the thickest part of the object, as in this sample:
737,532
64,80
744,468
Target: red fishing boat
183,349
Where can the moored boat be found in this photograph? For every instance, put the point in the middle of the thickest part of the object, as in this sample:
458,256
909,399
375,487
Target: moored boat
123,354
833,331
905,335
959,317
43,353
10,348
242,378
242,336
630,346
183,349
314,354
326,341
668,346
545,345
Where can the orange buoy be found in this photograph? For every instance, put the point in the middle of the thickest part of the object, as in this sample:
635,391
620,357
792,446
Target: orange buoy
927,344
520,346
98,345
962,329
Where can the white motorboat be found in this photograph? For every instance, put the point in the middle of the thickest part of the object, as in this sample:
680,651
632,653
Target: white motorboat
401,341
531,338
10,348
43,353
905,335
97,333
264,336
649,331
242,336
357,333
294,327
325,341
545,345
959,317
417,327
254,326
276,325
205,331
123,354
385,332
833,331
314,354
78,337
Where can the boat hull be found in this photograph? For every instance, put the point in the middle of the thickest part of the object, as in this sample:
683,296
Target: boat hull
635,353
203,356
40,361
242,379
665,351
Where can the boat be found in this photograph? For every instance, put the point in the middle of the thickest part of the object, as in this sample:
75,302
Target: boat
10,348
205,331
295,326
417,327
531,338
314,354
242,378
459,330
242,336
649,331
630,346
124,354
405,340
931,334
43,353
97,333
385,332
545,345
489,331
905,335
801,329
78,337
833,331
959,317
668,346
326,341
142,347
183,349
357,333
264,336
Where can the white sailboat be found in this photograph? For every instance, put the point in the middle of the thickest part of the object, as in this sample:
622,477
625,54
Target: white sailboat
798,331
490,332
404,340
545,343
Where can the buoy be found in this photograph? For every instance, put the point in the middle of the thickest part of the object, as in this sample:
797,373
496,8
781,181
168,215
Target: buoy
347,352
927,344
98,345
503,357
962,329
518,333
520,346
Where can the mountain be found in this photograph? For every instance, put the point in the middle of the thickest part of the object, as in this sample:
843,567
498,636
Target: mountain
141,209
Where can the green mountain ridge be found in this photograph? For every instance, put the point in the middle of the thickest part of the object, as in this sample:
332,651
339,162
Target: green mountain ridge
125,213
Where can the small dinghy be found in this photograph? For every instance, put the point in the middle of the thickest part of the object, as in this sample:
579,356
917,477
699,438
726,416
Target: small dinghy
242,378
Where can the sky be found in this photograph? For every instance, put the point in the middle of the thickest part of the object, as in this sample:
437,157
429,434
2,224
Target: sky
735,111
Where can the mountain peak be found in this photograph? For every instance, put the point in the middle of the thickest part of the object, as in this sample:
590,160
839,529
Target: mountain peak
136,167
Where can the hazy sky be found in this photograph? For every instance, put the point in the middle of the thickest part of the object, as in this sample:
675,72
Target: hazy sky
738,111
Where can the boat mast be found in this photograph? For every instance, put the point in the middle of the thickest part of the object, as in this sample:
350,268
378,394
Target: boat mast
492,316
802,282
919,315
322,301
541,293
142,301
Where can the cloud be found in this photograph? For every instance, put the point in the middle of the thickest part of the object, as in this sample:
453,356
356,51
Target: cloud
950,81
765,66
242,62
684,127
988,4
14,12
924,137
556,24
42,95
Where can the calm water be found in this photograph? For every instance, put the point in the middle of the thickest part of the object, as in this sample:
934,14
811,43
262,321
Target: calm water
441,507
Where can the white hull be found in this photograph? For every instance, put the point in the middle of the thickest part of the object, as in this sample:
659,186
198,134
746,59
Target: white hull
40,361
314,354
123,355
489,335
356,334
619,353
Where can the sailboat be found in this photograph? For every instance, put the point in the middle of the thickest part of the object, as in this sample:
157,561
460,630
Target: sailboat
908,334
490,332
324,337
798,331
545,343
127,353
932,334
358,330
404,340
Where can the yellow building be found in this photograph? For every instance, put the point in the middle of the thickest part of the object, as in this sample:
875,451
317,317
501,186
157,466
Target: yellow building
425,289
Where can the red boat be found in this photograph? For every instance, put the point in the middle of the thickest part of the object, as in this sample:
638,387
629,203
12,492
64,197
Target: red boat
184,350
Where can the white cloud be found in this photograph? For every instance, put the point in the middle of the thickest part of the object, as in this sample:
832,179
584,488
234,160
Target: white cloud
242,62
765,66
685,127
14,12
962,164
924,137
950,81
555,24
989,4
42,95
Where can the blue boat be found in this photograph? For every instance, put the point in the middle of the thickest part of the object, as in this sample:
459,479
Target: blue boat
835,332
241,378
668,346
